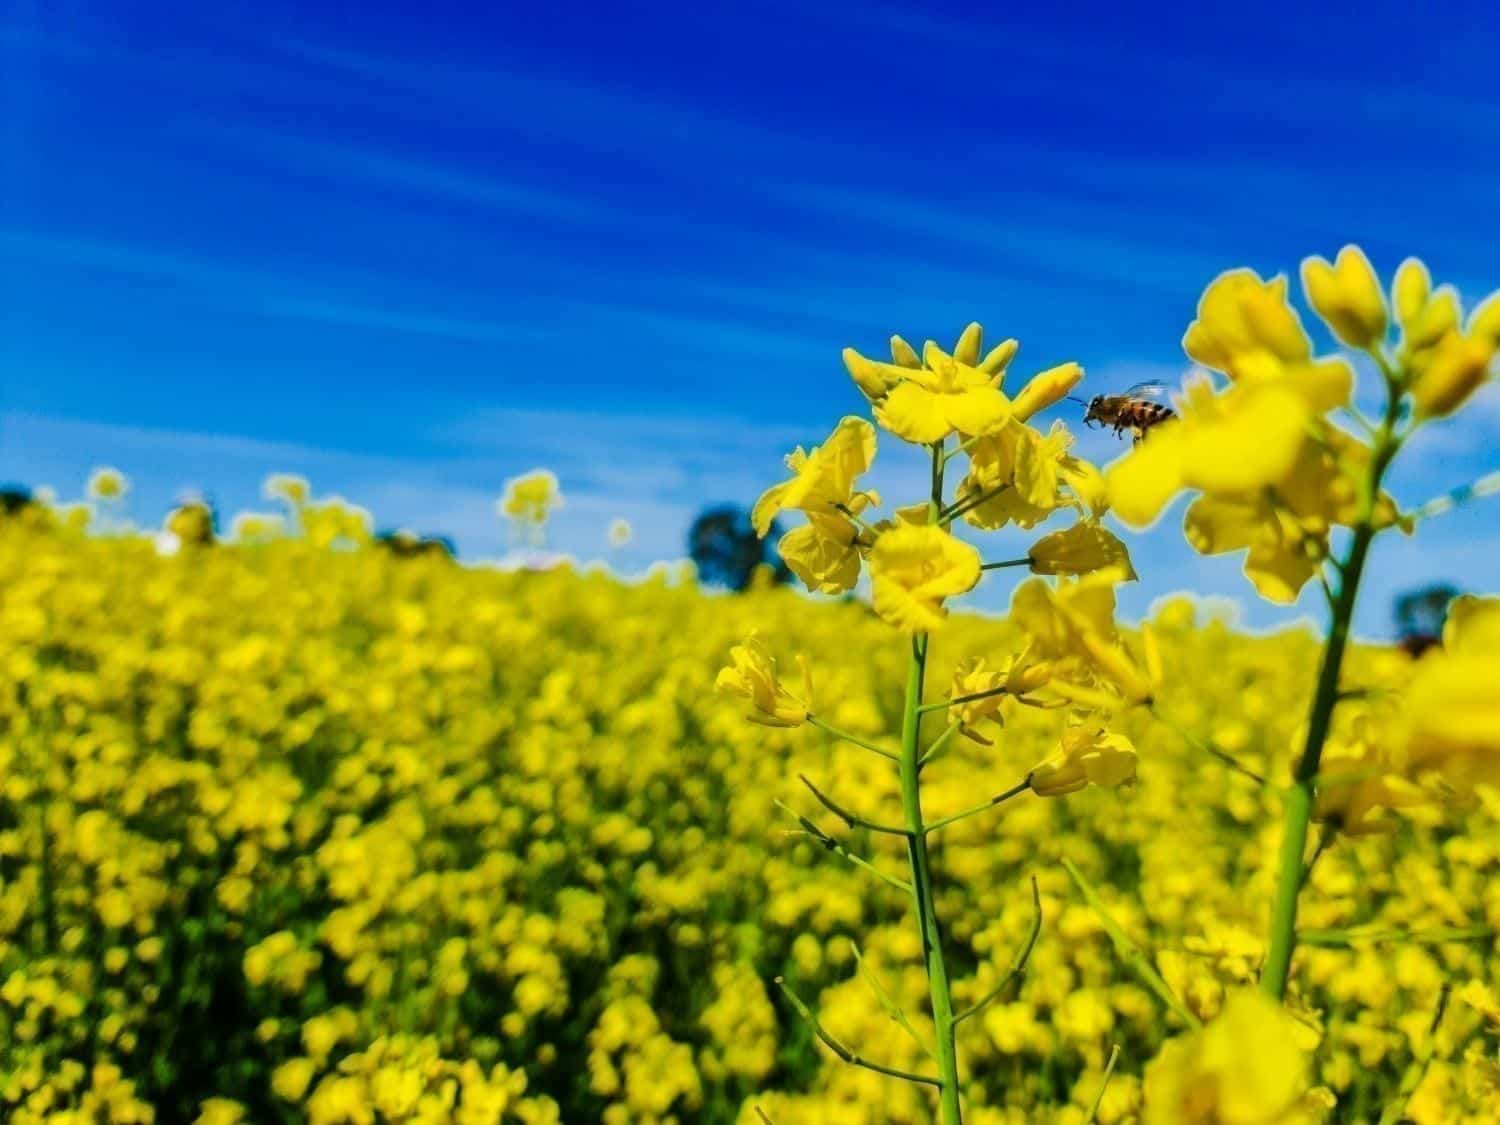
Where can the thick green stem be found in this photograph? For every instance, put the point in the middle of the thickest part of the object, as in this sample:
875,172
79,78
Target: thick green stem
921,881
1300,798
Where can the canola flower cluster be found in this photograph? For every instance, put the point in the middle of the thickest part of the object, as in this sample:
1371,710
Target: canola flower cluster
292,833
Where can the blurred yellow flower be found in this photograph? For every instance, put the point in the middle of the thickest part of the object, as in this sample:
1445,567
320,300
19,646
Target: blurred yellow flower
286,487
620,533
106,483
1248,1067
1449,722
913,569
1453,371
824,479
531,498
1071,626
1347,295
751,675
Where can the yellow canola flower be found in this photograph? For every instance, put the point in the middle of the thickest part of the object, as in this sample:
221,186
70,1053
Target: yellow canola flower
531,497
1082,549
106,483
823,480
751,675
1087,754
1239,442
1449,723
825,553
620,532
945,396
1072,626
974,676
1347,295
1358,781
1016,474
913,569
1248,1067
286,487
876,379
1243,323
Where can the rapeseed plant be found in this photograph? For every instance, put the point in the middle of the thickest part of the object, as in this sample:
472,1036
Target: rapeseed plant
952,405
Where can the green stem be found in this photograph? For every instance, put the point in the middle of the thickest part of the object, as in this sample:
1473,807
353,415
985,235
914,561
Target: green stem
843,1052
916,843
1436,935
935,747
814,721
921,880
1298,808
999,798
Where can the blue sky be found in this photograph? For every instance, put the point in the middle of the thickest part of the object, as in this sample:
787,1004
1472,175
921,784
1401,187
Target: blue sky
413,252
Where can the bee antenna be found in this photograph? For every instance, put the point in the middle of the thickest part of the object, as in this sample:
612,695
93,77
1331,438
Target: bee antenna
1079,401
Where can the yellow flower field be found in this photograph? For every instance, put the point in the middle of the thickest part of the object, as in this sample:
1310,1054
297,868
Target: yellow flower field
290,833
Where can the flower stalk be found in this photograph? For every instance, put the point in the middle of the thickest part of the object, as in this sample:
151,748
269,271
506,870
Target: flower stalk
1300,797
921,867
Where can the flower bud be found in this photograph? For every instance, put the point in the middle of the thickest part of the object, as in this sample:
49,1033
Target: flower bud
1347,296
1046,388
969,342
1410,292
1457,367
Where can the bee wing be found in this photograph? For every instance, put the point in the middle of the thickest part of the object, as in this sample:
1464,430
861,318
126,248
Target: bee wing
1153,390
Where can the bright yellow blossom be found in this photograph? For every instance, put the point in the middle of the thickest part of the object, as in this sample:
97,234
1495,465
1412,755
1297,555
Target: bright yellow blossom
824,479
1087,755
913,569
1449,723
942,397
1248,1067
1082,549
751,676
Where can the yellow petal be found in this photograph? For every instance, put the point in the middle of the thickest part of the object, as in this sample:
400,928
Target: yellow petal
1142,483
1213,526
914,414
1252,444
826,564
978,411
1277,572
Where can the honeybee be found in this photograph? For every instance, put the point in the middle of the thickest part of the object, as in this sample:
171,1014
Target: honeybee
1136,408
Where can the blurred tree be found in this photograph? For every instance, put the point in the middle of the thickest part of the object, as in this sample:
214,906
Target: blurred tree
1421,614
409,545
14,498
723,545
